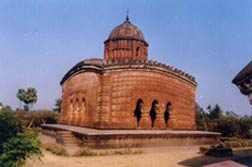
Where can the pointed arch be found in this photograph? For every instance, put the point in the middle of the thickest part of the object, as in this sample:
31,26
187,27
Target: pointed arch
167,112
138,110
153,112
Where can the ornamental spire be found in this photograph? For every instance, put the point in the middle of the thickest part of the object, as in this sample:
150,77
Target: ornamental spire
127,16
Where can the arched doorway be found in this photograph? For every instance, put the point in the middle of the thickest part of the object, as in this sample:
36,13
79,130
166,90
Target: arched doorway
153,112
83,111
167,113
138,113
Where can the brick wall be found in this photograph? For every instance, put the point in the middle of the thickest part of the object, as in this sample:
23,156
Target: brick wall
111,99
80,99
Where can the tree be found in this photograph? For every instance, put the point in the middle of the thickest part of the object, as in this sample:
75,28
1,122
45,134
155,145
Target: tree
1,106
200,114
21,96
29,97
7,108
215,113
232,114
16,143
57,105
201,117
4,108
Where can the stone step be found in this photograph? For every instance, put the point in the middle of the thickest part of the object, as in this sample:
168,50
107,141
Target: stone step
66,141
69,142
65,132
74,144
68,138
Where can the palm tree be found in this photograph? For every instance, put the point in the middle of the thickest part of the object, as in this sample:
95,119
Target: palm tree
29,97
21,96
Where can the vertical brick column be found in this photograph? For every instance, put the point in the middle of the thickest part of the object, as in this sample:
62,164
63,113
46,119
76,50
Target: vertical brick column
104,102
159,122
172,120
145,122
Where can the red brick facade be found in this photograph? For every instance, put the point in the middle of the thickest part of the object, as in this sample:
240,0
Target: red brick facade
125,90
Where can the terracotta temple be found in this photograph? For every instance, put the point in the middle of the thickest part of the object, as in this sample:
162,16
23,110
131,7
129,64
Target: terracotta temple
243,80
125,90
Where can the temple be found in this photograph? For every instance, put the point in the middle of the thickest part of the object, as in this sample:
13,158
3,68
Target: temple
126,90
243,80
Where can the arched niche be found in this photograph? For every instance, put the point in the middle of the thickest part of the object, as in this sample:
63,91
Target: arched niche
138,110
153,112
167,112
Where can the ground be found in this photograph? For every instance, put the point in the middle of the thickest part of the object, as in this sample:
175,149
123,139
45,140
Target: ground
151,157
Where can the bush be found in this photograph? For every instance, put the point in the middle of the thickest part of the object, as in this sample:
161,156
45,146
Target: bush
245,127
85,152
16,143
235,142
56,149
233,126
88,152
228,127
36,118
127,152
10,126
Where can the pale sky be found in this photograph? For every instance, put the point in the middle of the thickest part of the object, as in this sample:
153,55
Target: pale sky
40,40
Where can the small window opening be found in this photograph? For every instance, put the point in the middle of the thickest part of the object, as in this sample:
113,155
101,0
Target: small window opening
167,113
138,110
153,112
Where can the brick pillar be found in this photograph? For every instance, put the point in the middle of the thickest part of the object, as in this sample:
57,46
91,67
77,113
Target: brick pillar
172,120
104,100
75,118
159,122
145,121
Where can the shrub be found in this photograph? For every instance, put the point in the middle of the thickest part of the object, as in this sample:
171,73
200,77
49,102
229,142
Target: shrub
56,149
88,152
85,152
10,126
228,127
36,118
127,152
233,126
235,142
16,143
245,125
249,142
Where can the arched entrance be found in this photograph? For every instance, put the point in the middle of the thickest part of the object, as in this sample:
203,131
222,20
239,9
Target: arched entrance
138,113
153,112
167,113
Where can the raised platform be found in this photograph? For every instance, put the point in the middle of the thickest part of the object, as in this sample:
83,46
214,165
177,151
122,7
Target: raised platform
131,138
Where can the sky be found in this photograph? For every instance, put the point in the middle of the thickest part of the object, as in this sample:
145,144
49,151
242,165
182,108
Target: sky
40,40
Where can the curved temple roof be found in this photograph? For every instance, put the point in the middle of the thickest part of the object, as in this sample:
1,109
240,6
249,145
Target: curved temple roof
127,31
244,74
99,66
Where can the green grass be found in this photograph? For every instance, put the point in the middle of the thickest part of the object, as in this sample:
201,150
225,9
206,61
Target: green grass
56,149
88,152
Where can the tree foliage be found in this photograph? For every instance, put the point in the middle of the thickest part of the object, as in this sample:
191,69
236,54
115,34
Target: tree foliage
57,105
215,113
229,125
200,114
28,97
36,118
16,143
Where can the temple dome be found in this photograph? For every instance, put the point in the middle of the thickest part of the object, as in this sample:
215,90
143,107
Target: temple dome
127,31
125,42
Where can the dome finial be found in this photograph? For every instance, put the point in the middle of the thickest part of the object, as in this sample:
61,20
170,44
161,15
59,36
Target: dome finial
127,16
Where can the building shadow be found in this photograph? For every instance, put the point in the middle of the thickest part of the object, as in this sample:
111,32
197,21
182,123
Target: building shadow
206,160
